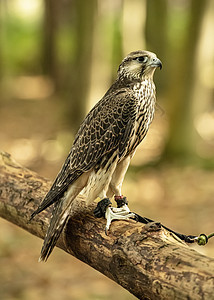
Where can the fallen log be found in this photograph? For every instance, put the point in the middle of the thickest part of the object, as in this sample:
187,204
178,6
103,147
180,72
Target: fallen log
147,260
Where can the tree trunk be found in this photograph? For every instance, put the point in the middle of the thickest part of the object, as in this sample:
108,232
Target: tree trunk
78,80
49,43
182,58
156,31
147,260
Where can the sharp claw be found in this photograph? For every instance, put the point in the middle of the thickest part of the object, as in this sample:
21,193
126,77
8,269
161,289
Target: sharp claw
112,213
121,212
108,216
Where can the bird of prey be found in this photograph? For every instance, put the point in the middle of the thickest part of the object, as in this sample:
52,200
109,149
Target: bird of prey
103,147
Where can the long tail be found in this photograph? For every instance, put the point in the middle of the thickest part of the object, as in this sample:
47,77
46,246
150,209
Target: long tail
59,215
57,223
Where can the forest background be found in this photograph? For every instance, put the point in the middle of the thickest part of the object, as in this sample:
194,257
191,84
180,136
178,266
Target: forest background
57,59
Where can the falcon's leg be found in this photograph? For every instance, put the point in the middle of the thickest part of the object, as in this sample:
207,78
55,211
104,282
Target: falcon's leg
104,208
115,185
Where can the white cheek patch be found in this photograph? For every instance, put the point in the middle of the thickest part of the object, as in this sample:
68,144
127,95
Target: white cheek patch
133,69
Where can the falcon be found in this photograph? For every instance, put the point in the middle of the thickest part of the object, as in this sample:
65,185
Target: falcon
103,147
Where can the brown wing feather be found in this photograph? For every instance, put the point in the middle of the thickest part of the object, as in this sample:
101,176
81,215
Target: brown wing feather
106,128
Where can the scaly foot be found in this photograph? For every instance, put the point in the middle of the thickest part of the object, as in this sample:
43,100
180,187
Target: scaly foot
121,212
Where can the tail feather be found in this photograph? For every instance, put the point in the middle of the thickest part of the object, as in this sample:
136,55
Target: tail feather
57,223
60,215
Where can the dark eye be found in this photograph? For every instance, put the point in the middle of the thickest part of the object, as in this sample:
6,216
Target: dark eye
142,59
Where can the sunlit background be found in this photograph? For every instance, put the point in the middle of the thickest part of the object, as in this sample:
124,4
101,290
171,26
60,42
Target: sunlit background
57,59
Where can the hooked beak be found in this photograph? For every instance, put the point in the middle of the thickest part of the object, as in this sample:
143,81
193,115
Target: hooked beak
156,63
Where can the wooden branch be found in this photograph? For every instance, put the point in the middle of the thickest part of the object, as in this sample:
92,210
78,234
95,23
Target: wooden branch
146,260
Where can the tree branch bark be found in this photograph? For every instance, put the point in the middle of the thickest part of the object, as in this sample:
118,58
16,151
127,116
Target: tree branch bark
147,260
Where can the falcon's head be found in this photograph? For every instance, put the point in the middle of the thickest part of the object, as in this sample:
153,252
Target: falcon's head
138,64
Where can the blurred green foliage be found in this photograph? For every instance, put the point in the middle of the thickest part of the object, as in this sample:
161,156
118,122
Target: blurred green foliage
20,46
76,47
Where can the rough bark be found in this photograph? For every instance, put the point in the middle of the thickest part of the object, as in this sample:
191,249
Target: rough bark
146,260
